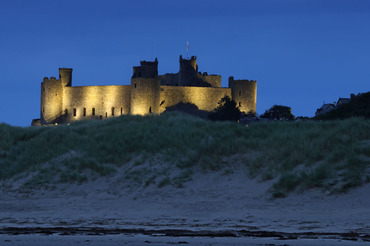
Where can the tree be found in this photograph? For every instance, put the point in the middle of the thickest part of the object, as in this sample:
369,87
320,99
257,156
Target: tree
279,112
226,110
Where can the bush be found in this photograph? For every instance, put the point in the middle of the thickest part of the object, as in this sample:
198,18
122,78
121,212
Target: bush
278,112
225,111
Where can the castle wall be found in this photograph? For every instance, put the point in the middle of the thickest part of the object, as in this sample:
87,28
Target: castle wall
170,79
206,98
212,80
108,101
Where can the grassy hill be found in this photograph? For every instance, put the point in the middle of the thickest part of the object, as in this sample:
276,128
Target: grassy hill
168,149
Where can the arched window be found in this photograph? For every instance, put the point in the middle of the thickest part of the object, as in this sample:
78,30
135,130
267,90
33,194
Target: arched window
150,109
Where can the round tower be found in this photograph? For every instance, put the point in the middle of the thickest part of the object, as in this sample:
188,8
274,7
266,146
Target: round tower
51,101
188,70
244,93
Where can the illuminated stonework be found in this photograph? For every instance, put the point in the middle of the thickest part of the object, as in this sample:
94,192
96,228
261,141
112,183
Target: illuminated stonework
148,93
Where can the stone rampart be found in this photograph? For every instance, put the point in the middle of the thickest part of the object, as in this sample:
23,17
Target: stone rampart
205,98
95,102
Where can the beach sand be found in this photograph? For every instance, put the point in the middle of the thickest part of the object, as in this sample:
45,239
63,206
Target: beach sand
212,202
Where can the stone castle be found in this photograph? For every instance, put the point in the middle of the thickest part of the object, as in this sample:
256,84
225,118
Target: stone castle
148,93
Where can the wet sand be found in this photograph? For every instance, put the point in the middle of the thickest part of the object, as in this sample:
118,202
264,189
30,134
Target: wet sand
209,203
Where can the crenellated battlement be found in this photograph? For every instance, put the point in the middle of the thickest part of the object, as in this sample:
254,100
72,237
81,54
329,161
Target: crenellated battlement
52,79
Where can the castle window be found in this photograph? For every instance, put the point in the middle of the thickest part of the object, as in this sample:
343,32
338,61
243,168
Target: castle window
112,111
135,85
84,111
150,109
43,88
139,74
74,111
93,111
106,115
121,111
66,112
240,93
240,104
43,110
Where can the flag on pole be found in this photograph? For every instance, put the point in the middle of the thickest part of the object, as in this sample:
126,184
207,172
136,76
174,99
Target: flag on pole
187,46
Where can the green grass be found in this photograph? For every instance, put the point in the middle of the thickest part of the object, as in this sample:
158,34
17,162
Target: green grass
330,155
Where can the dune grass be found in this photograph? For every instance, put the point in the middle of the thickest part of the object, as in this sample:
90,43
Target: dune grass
331,155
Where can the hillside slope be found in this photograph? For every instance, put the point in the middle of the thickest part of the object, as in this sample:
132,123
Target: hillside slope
169,149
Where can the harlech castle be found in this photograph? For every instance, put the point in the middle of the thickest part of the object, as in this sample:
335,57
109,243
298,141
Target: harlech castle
148,93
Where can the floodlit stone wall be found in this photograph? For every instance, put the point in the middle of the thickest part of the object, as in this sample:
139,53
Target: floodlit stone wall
95,102
205,98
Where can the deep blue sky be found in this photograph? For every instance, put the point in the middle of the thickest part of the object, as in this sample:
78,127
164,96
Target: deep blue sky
301,52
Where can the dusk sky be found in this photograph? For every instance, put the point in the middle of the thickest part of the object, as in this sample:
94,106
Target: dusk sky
301,52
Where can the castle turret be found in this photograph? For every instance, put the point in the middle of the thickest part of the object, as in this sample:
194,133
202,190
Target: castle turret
188,71
65,76
52,96
145,89
244,93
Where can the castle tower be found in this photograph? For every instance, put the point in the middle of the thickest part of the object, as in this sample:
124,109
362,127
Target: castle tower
52,96
188,70
145,89
244,93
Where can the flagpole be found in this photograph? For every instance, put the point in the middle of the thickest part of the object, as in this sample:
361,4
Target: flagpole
187,49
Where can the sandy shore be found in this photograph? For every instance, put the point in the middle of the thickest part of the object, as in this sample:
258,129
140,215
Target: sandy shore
211,202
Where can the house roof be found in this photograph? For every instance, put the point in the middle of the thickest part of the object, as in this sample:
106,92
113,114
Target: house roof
343,100
325,108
